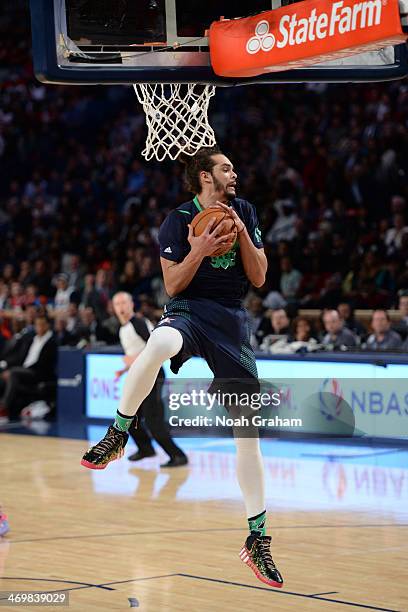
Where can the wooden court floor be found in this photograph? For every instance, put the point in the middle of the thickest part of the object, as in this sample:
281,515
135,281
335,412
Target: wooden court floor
169,541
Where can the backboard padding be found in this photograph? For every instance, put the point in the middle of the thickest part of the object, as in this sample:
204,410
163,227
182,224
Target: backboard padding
125,41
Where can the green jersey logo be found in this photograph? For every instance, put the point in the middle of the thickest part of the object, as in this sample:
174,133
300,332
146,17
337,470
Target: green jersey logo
225,261
258,236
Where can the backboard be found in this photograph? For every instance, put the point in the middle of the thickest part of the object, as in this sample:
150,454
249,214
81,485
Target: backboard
162,41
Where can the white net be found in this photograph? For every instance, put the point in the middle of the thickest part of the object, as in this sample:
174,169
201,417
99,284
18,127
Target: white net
176,118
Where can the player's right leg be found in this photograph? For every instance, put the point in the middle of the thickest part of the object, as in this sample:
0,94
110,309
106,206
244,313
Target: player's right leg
164,343
250,473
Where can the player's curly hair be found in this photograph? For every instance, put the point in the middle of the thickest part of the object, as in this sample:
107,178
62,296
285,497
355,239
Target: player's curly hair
202,161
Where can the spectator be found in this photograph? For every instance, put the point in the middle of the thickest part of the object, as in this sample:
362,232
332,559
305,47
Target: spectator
62,335
102,287
331,293
280,322
4,293
34,363
8,273
274,301
337,336
393,236
5,334
401,326
128,278
75,272
63,294
347,314
374,284
284,227
25,274
73,319
146,276
313,282
280,330
383,337
16,300
91,298
30,312
110,325
31,297
41,278
302,330
150,311
290,280
260,325
91,331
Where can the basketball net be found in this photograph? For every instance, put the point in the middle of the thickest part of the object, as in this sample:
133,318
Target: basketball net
176,118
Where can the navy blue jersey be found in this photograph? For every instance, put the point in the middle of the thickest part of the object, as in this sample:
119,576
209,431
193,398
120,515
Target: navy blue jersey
221,278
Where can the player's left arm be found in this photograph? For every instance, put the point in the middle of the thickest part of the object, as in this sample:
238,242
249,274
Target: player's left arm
252,253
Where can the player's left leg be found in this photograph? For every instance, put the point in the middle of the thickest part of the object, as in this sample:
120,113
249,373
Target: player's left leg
250,473
163,344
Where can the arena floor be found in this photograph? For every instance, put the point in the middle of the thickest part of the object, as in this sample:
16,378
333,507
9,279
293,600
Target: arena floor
137,536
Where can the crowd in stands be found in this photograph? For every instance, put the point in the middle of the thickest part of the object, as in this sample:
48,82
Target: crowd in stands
325,165
334,329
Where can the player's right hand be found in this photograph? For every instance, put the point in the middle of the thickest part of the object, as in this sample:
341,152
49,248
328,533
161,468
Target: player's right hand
210,240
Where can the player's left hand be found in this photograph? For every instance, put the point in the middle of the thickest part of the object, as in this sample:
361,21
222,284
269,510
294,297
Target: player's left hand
240,225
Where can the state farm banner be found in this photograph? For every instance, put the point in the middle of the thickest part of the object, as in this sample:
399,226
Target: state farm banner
302,34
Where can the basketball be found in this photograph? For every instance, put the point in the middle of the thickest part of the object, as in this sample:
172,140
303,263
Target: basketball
200,222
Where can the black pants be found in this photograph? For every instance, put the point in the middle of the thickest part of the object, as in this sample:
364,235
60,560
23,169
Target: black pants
151,414
19,391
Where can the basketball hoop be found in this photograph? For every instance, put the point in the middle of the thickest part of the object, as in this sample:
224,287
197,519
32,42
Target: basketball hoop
176,118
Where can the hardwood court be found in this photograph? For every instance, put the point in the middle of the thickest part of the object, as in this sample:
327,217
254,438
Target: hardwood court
170,540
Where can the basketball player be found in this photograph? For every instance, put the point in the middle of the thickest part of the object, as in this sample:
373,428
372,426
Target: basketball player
205,317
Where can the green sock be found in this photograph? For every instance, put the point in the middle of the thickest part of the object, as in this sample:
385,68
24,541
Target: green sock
258,523
122,421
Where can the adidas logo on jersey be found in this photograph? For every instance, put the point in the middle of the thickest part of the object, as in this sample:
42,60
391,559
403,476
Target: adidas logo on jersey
168,250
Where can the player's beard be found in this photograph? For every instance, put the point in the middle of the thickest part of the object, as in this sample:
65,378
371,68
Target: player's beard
218,186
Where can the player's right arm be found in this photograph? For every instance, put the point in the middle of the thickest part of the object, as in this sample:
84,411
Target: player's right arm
178,275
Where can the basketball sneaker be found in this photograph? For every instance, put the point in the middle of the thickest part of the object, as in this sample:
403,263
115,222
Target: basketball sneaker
111,447
257,555
4,526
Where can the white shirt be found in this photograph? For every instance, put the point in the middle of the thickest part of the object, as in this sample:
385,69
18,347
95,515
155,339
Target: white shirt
130,340
62,298
36,348
393,237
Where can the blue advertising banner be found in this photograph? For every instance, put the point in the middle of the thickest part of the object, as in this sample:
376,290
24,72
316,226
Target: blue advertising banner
377,395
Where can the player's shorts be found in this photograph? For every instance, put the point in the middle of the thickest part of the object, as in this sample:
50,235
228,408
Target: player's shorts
219,334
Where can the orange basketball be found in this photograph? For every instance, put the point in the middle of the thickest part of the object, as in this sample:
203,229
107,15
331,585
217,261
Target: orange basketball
200,222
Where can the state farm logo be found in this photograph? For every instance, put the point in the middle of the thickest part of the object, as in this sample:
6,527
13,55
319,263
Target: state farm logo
263,39
293,31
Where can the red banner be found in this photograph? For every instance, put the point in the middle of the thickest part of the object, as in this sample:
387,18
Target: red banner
302,34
